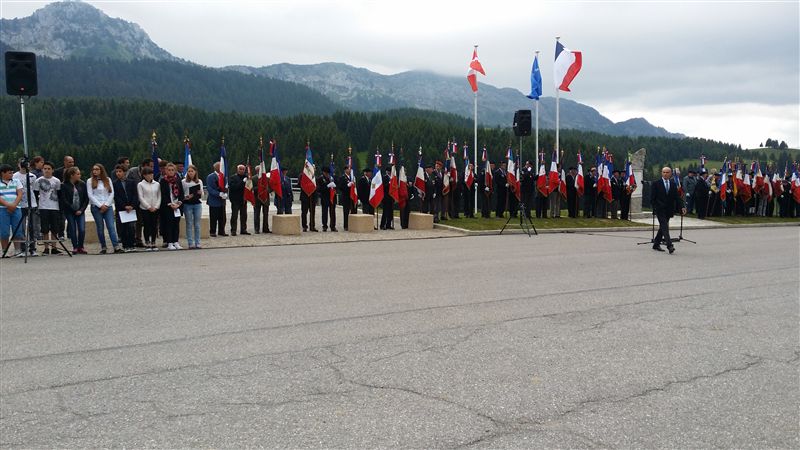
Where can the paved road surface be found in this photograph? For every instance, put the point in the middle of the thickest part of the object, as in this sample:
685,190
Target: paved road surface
567,340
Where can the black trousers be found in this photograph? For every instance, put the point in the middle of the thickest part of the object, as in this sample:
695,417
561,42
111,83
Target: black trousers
541,206
405,214
238,211
500,206
261,211
625,206
328,214
308,205
170,225
588,206
572,204
663,231
387,218
366,208
485,204
216,219
469,202
126,231
149,225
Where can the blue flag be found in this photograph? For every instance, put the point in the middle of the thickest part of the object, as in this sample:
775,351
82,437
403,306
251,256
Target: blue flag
187,156
154,157
536,80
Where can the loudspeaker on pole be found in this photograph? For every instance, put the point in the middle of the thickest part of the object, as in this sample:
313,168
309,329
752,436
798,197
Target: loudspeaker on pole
21,74
522,122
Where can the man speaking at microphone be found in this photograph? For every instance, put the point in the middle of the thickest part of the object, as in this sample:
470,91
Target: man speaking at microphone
665,201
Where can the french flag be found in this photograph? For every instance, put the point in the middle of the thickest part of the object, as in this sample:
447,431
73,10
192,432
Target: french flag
352,180
187,154
275,170
446,174
553,181
376,188
759,181
154,157
469,175
723,183
777,185
579,176
795,186
562,184
541,180
308,182
403,194
511,175
394,188
630,180
419,180
263,178
223,168
566,66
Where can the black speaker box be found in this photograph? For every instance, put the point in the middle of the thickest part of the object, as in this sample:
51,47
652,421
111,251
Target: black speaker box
522,122
21,74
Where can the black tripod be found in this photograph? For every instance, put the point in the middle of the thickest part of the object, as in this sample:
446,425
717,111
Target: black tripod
30,239
524,222
675,239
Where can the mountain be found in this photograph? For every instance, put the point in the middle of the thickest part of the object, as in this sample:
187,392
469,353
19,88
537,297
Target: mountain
84,52
74,30
362,90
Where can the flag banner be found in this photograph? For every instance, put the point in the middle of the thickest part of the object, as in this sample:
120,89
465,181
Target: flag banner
552,182
394,188
403,194
723,183
249,195
566,67
536,80
511,174
352,180
308,182
222,175
376,189
475,67
275,175
579,176
419,180
154,157
562,184
187,154
487,173
541,180
332,190
469,175
263,177
630,180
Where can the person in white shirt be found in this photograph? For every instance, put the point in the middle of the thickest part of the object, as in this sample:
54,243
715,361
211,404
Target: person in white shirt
24,205
101,197
193,193
49,208
149,202
10,215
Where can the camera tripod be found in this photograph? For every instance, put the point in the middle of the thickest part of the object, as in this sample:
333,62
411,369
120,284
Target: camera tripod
524,222
680,237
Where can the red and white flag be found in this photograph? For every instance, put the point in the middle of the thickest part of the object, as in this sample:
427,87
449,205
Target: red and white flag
249,194
308,182
475,67
541,180
487,172
553,181
469,175
566,67
579,176
402,199
394,187
275,170
562,184
512,175
419,179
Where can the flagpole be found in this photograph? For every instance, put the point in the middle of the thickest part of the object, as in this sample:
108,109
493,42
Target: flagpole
475,140
537,115
557,112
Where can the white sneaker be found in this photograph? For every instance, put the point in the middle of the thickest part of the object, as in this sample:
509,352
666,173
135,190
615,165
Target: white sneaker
20,254
171,246
33,253
177,246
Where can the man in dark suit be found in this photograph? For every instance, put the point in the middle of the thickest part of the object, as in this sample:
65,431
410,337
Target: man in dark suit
589,193
362,189
326,185
348,206
701,194
527,186
665,201
500,189
572,193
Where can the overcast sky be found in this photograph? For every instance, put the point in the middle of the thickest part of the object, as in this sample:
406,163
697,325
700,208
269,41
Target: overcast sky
723,70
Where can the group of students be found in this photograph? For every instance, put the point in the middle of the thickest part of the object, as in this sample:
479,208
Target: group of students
141,197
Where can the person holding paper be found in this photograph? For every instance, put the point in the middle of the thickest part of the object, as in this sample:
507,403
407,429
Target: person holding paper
172,196
149,192
126,200
193,190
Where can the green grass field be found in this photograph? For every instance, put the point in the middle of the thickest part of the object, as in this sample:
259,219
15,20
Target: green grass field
737,220
494,223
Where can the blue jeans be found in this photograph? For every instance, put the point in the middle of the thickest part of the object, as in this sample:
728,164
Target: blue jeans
108,218
193,215
76,229
9,222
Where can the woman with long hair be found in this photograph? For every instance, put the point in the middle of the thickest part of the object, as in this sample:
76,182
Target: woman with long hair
172,197
101,196
74,200
193,190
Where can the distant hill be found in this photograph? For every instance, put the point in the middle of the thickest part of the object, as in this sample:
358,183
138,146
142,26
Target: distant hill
84,52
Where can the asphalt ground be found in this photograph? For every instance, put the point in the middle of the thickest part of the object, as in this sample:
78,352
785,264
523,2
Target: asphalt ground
559,340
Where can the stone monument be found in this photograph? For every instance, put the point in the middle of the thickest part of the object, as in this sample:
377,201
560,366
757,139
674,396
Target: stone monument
637,164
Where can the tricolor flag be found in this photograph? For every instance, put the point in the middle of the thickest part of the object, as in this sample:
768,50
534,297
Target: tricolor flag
511,174
187,155
154,157
378,159
562,184
332,190
566,66
394,187
579,176
795,186
676,178
474,68
552,183
419,180
249,195
453,169
275,175
630,180
536,80
541,180
263,177
759,185
308,182
403,194
469,175
352,180
222,175
487,171
723,183
376,188
777,184
446,174
603,177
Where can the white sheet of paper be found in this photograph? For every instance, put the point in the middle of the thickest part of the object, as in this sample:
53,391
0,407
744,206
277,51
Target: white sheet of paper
127,217
177,212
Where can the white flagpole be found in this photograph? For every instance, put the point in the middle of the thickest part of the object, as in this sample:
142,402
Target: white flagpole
557,38
475,139
537,117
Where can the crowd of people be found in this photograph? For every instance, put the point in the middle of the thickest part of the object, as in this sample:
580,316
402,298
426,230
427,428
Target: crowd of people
136,205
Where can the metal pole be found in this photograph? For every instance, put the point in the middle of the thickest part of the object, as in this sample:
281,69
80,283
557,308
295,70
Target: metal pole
537,120
475,149
24,129
28,193
557,112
